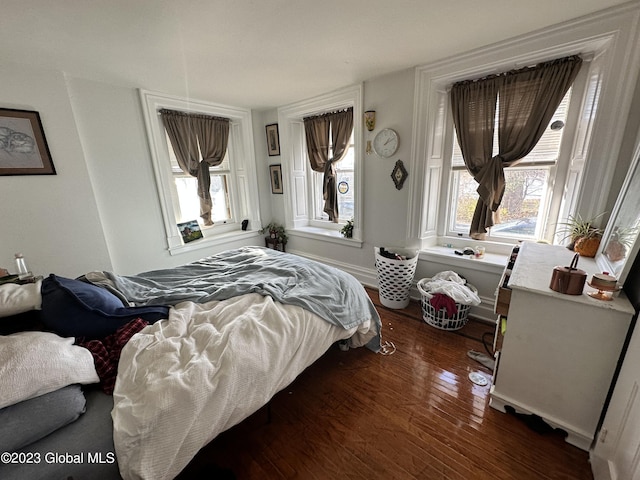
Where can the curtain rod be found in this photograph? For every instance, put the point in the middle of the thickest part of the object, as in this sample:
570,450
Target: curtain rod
347,109
190,114
520,67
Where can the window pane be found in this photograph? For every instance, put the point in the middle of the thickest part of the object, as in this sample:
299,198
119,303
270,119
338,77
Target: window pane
465,192
190,202
220,211
318,202
345,195
345,185
521,214
548,147
347,163
522,209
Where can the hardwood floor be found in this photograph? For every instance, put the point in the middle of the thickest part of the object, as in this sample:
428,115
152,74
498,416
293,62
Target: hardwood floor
413,414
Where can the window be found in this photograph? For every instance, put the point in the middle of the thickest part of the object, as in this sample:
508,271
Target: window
524,208
346,187
187,191
234,186
581,179
303,187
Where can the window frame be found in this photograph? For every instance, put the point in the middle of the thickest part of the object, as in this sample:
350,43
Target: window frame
606,42
544,215
242,170
317,202
550,211
298,202
224,170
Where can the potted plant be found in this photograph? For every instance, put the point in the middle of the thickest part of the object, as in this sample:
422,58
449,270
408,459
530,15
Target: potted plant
583,234
276,231
347,229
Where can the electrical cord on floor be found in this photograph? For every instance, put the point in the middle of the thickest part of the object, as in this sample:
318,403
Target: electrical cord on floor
388,348
484,344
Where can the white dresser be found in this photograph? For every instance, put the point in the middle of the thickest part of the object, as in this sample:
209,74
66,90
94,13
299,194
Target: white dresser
559,352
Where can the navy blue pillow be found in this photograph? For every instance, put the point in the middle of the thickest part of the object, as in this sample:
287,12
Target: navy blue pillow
73,308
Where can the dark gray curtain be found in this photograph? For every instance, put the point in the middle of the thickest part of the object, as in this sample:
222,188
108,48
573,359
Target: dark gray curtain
528,99
474,110
182,135
195,137
317,136
213,139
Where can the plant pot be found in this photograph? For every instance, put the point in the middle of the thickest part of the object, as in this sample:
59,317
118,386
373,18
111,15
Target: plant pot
587,246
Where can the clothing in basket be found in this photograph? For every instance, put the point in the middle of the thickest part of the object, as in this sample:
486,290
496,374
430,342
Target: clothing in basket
453,285
443,289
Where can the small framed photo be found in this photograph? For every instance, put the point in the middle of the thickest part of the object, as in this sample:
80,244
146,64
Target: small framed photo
273,140
275,173
23,147
190,231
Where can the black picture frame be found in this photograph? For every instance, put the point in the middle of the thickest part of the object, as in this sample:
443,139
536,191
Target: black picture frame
399,174
23,146
273,140
275,174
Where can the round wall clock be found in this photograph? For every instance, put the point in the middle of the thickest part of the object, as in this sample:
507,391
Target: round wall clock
386,142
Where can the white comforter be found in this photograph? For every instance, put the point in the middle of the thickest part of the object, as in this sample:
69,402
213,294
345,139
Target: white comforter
183,381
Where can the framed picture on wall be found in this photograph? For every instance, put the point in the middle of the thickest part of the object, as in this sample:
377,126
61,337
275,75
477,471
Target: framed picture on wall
273,140
275,173
23,147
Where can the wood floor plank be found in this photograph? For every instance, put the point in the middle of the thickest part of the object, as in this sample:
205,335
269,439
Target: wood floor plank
412,414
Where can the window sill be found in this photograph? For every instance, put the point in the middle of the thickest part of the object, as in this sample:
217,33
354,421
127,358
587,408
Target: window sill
324,235
219,239
491,262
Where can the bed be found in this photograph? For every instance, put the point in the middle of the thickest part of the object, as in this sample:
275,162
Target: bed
199,348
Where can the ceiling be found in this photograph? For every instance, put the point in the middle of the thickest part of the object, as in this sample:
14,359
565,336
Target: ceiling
260,53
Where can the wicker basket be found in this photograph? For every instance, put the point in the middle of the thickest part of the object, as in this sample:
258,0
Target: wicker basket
395,277
440,319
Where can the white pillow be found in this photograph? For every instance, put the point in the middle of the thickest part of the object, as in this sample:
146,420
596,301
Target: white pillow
15,299
35,363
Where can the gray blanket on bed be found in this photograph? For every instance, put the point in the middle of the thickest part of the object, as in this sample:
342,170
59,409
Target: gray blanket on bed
332,294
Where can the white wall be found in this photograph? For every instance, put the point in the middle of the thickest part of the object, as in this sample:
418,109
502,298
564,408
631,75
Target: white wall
384,209
102,211
52,219
117,154
271,205
113,135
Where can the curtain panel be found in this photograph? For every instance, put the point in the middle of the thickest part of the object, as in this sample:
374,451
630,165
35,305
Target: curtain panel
527,98
199,142
317,129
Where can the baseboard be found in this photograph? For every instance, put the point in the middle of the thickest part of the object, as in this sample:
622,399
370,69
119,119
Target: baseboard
600,467
369,278
366,276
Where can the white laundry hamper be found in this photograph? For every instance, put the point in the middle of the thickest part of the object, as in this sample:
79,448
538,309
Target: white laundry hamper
395,276
440,319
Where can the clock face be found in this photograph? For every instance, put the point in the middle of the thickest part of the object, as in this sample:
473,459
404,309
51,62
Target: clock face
386,142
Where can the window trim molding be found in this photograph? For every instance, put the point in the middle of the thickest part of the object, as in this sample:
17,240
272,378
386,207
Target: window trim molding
611,35
243,168
291,115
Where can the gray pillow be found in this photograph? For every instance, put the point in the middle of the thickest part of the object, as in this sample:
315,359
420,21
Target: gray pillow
26,422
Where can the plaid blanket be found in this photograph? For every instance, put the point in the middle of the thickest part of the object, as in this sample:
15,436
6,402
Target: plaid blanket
106,352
